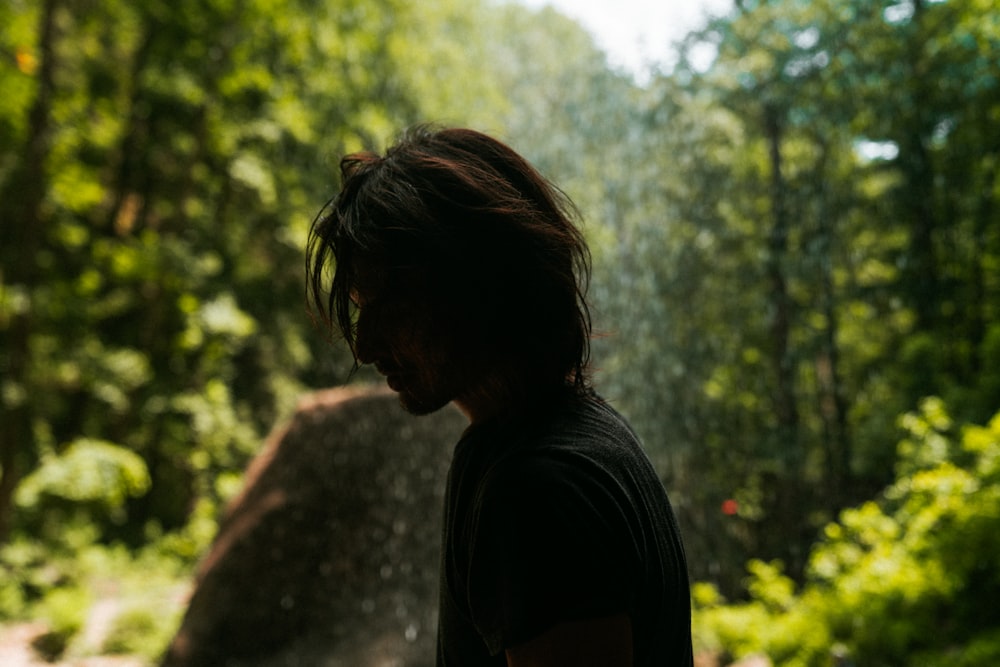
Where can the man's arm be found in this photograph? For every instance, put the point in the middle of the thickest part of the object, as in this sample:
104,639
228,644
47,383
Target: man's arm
599,642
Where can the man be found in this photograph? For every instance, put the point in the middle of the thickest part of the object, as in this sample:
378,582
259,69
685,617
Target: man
460,275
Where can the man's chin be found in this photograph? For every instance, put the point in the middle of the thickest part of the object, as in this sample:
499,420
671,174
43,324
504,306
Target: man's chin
420,406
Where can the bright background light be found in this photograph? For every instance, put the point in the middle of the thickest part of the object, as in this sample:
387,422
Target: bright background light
635,33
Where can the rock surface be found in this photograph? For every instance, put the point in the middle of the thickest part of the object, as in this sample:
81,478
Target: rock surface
329,557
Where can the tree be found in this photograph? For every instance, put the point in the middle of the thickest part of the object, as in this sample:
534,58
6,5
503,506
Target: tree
787,327
153,233
21,229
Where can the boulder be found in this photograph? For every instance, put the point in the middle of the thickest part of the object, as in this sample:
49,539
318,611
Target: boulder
329,556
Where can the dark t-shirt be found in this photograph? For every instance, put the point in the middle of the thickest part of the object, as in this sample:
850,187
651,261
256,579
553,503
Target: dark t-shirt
559,516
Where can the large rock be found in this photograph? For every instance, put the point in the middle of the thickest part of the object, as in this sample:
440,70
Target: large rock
329,557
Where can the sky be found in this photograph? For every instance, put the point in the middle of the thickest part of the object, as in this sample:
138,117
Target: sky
634,32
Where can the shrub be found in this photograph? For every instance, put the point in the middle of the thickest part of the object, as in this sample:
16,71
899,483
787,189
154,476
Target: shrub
908,579
64,610
141,631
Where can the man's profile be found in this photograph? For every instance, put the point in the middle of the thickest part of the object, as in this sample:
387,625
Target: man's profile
458,272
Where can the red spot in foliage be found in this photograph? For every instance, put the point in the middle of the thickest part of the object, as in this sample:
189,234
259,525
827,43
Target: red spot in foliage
26,62
730,507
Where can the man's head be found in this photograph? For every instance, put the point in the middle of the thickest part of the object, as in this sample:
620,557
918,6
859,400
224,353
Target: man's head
453,255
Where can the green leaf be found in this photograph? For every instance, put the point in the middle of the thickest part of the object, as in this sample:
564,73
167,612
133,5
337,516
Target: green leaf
88,471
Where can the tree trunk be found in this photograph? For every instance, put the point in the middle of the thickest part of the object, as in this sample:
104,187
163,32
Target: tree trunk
922,272
786,410
979,306
787,490
23,221
832,401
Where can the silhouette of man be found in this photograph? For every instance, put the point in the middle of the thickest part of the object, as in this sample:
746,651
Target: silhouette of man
460,274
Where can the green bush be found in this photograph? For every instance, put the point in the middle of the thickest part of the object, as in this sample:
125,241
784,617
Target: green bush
57,582
65,611
90,475
20,577
142,631
909,579
980,651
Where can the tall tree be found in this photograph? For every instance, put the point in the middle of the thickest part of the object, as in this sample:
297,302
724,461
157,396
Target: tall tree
151,285
23,224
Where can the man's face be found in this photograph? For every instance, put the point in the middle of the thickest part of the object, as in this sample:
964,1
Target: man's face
410,339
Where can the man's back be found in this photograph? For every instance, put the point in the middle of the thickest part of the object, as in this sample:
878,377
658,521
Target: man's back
558,517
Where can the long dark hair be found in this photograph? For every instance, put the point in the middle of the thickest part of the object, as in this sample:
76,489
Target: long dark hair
481,225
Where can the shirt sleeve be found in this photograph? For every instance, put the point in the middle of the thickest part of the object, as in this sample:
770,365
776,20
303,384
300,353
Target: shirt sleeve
552,544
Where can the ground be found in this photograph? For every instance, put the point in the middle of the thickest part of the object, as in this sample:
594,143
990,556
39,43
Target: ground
16,651
16,642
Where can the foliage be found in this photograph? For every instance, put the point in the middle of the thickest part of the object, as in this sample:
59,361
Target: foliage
139,631
151,289
64,610
86,472
61,584
802,249
904,580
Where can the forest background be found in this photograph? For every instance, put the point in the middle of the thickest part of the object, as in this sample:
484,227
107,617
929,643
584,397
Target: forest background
796,248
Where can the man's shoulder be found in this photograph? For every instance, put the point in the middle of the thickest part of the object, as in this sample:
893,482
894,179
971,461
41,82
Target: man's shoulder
588,427
576,445
577,437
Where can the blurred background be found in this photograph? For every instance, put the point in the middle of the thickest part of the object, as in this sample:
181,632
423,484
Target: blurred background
793,210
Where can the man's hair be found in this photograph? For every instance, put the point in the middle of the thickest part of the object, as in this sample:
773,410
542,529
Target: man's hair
465,217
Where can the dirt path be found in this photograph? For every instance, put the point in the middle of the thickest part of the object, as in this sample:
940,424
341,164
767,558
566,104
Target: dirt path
16,651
